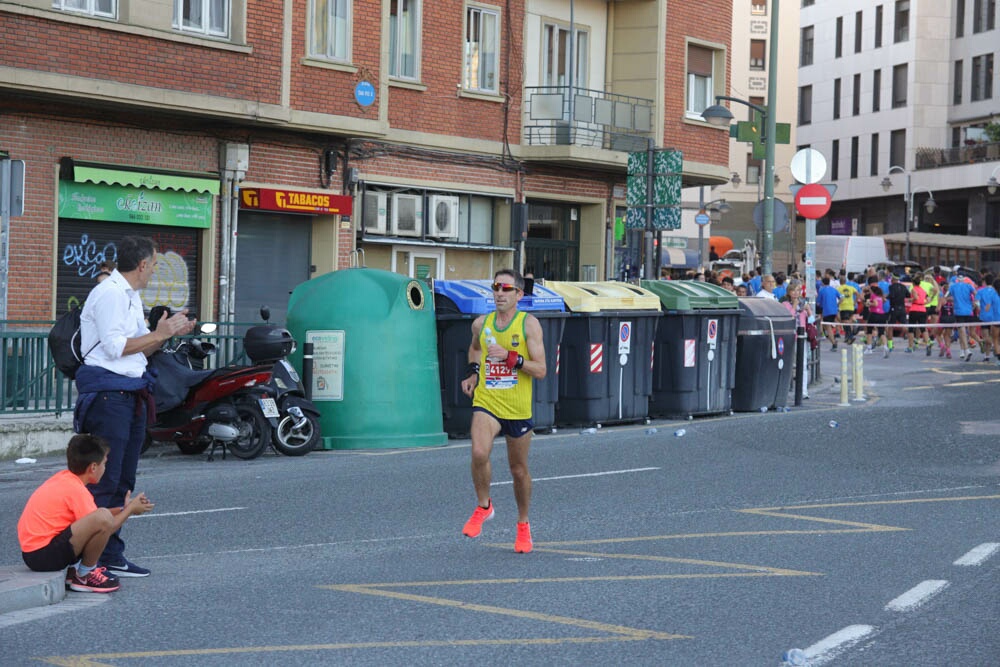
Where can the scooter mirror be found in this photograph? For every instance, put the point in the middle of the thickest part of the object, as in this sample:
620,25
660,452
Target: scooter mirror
208,327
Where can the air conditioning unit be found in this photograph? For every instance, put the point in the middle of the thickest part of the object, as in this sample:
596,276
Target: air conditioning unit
375,213
444,216
407,215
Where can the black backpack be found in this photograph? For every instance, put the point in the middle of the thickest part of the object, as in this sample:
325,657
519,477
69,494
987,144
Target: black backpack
64,343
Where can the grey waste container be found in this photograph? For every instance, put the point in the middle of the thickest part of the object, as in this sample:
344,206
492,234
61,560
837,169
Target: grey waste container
606,363
694,354
765,355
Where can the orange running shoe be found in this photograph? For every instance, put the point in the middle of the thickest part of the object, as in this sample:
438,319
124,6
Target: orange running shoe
522,544
474,525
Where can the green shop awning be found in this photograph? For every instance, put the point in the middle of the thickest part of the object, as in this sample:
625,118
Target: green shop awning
142,179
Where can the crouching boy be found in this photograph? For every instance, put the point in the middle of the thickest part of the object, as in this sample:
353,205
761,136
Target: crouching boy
61,526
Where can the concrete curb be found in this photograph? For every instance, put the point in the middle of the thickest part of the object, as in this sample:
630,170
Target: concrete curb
20,588
34,435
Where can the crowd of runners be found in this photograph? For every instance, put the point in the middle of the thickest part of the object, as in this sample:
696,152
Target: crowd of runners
925,309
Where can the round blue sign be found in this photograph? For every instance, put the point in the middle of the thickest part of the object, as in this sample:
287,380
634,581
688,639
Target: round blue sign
702,218
364,93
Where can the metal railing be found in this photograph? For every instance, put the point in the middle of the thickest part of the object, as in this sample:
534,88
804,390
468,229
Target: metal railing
932,158
30,382
558,116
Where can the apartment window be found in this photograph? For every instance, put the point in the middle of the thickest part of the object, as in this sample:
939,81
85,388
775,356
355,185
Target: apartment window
757,50
805,104
959,18
876,91
330,33
700,79
982,78
901,24
208,17
758,7
878,26
858,29
873,169
753,169
806,46
897,147
856,96
854,156
835,160
836,99
838,45
808,3
404,38
956,137
752,115
556,54
983,15
899,76
482,36
956,95
106,8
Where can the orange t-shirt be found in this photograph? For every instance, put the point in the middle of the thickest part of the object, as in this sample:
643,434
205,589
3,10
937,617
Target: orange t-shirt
57,503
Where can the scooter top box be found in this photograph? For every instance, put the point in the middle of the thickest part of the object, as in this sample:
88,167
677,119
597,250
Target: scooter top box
264,343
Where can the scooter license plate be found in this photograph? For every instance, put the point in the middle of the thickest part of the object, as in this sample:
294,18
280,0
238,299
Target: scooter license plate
269,407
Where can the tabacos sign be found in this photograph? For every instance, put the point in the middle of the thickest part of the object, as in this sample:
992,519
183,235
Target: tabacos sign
295,201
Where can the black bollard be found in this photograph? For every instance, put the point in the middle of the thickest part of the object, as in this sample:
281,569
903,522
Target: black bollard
307,369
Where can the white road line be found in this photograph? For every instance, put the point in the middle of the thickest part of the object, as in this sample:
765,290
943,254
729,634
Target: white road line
827,649
72,602
917,595
979,555
154,515
589,474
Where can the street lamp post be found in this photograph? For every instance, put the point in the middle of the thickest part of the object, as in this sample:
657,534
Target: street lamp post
908,196
721,116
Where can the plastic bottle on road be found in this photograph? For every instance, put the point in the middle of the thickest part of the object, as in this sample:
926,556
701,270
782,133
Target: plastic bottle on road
833,424
589,431
679,433
651,431
795,657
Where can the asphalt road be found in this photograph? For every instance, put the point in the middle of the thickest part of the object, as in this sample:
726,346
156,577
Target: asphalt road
864,544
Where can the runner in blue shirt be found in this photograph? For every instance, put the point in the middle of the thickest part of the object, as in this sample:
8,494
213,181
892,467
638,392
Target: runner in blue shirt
828,301
964,296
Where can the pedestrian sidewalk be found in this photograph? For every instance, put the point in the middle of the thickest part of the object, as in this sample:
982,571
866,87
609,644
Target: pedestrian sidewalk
20,588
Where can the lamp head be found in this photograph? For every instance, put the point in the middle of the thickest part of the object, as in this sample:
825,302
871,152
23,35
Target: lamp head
724,207
992,185
736,180
886,184
717,115
930,205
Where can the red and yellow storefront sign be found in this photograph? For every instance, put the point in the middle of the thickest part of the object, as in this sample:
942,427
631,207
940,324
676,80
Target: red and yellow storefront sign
295,201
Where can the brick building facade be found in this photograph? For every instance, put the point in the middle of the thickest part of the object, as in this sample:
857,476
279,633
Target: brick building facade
432,122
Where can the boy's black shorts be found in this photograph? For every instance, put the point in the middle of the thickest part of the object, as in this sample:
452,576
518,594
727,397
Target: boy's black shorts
54,556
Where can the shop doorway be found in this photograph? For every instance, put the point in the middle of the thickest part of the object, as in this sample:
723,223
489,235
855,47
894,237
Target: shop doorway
552,247
273,256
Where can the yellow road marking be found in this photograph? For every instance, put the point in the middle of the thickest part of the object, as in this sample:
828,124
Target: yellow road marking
90,660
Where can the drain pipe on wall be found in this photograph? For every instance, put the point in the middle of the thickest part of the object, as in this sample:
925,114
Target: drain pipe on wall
235,159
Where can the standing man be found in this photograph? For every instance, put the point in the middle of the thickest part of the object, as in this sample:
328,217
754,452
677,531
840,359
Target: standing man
506,353
114,391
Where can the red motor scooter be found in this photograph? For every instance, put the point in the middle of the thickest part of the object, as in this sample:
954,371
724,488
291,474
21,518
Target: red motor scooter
198,409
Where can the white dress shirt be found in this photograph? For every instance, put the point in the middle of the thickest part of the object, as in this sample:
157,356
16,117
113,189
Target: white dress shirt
111,315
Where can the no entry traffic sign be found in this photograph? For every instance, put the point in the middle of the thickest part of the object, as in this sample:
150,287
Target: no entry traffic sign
812,201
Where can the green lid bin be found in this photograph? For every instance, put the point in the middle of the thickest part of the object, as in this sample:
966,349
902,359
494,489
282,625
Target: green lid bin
375,363
694,354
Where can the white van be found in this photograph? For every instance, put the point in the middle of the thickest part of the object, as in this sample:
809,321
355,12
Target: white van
851,253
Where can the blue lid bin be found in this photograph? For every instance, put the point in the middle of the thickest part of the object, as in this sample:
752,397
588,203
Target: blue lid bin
457,304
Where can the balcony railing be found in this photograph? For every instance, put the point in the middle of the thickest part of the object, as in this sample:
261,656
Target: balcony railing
932,158
595,118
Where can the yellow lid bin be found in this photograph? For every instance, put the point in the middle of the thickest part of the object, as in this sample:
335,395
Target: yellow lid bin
606,353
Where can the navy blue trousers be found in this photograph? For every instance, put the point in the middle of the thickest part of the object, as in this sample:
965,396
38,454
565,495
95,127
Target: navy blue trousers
120,418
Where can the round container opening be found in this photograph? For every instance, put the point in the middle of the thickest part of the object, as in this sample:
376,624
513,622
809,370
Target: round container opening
414,295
